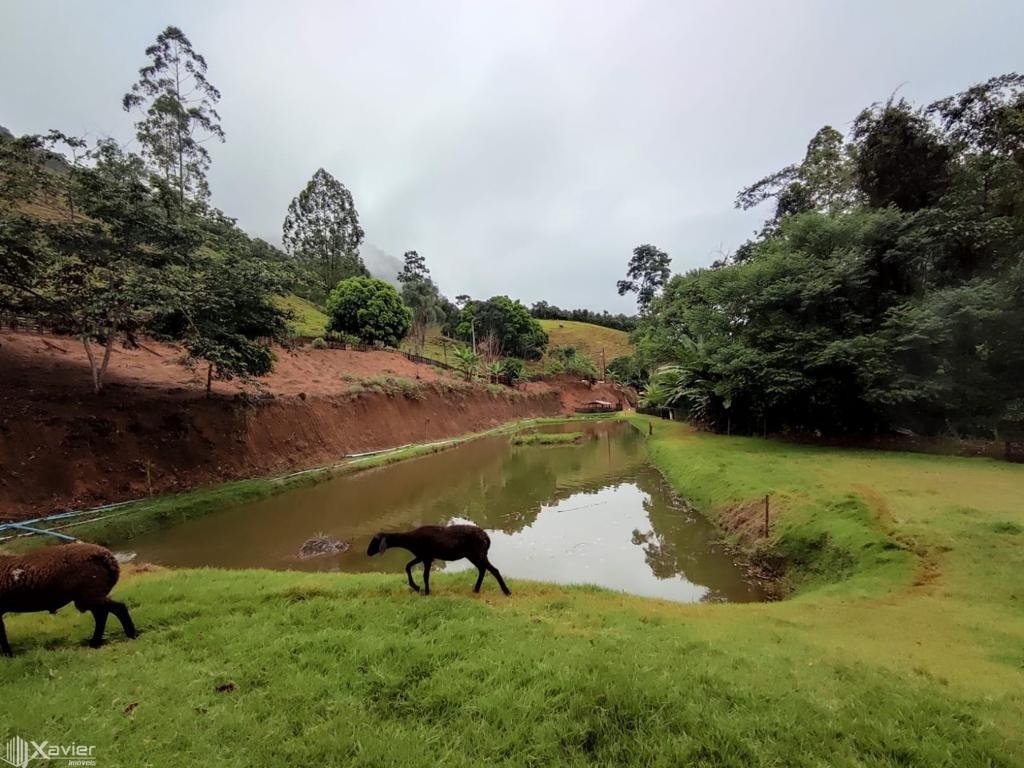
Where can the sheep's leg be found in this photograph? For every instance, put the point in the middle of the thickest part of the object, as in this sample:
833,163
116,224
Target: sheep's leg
481,568
426,576
408,572
100,614
501,581
5,647
121,611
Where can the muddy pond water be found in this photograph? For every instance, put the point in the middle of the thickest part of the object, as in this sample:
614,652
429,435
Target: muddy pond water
593,512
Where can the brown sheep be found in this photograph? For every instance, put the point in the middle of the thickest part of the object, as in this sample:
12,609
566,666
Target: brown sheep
49,578
441,542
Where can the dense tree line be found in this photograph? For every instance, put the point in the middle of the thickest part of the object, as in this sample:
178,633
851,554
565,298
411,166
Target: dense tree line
620,322
886,290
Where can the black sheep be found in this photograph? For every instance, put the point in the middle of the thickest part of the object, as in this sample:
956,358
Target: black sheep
440,542
49,578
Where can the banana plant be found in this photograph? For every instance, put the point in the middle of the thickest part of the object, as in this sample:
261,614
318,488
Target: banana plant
467,361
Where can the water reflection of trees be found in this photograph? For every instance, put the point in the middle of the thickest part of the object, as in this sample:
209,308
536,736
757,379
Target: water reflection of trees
681,542
506,489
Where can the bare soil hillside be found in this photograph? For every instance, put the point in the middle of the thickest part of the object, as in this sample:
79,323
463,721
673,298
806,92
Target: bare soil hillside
153,428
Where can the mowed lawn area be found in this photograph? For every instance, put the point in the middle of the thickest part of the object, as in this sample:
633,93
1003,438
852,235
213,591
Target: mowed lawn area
902,646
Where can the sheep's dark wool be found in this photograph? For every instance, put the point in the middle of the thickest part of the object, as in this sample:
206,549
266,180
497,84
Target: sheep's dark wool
440,542
49,578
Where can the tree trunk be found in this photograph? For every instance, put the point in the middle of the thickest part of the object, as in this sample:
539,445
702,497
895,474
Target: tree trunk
181,140
98,372
92,364
106,358
209,378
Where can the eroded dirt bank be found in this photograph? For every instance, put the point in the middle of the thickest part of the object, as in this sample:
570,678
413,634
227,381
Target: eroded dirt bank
154,430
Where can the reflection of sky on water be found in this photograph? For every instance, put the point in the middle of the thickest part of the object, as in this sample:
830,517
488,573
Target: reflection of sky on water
590,538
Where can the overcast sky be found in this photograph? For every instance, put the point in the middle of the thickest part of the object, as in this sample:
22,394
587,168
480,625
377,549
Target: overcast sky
522,147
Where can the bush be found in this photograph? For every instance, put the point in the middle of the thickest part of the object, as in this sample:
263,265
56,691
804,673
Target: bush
370,309
319,343
570,360
627,370
513,370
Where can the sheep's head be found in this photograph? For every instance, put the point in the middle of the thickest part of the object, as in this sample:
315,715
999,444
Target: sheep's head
377,545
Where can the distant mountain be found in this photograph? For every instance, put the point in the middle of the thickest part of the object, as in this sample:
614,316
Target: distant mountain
54,160
381,264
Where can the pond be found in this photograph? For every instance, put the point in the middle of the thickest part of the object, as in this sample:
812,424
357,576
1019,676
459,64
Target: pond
593,512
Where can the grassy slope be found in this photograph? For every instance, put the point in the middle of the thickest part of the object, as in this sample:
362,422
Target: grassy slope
588,338
308,320
561,333
914,659
436,347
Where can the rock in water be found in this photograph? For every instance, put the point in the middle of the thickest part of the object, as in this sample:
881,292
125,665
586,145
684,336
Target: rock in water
321,545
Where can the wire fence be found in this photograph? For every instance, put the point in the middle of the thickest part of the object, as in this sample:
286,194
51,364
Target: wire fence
20,324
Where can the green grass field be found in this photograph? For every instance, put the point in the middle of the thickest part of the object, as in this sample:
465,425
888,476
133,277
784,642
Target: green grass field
903,644
308,320
589,338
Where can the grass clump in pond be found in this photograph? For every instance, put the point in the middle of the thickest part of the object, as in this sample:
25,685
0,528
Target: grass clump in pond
548,438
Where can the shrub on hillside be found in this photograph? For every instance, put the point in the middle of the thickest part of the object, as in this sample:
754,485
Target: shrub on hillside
512,370
573,362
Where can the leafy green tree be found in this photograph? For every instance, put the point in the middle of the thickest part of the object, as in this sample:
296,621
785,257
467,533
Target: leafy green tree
25,179
179,114
322,230
420,294
107,265
647,274
901,160
105,260
627,371
368,309
824,181
504,326
229,319
414,268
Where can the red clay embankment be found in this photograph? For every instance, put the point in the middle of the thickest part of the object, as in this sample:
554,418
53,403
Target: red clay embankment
63,447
